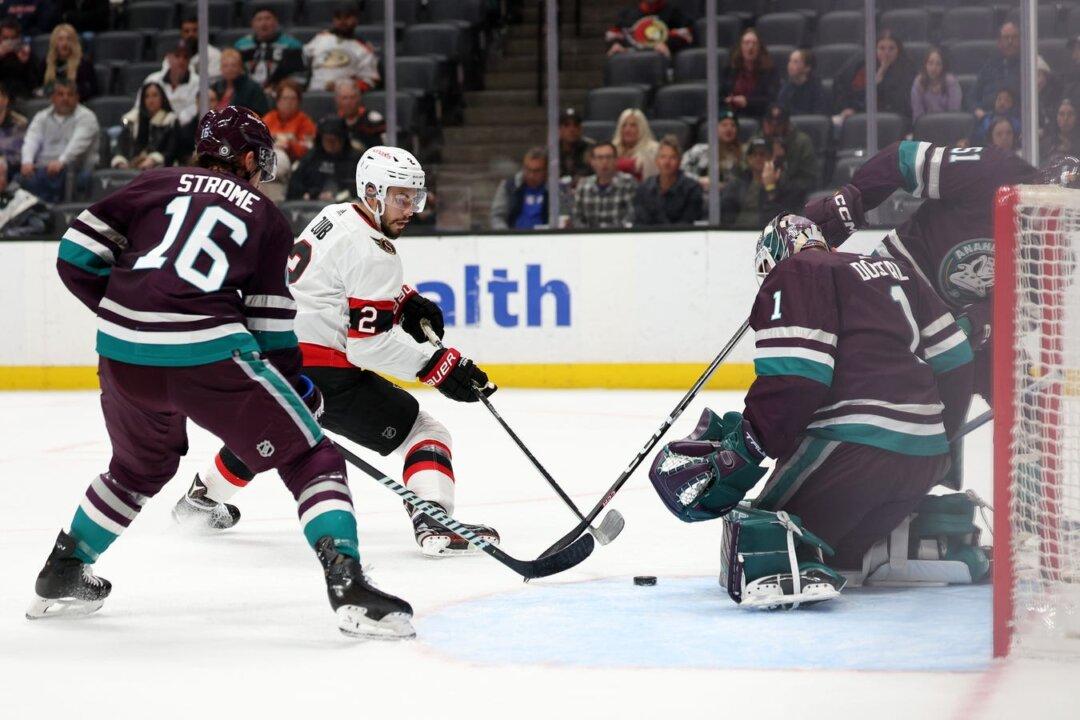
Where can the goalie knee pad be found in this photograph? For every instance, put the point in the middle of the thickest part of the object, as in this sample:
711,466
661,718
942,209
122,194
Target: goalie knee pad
760,563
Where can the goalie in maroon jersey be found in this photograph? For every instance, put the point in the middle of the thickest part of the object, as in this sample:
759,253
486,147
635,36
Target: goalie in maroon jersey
857,363
185,269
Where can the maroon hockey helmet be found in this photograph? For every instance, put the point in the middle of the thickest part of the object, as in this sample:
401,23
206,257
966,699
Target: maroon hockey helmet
230,133
1063,170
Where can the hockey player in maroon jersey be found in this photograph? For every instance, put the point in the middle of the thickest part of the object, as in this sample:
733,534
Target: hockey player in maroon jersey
850,353
356,318
185,269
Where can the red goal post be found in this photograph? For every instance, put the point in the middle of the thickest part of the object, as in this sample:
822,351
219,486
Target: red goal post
1036,389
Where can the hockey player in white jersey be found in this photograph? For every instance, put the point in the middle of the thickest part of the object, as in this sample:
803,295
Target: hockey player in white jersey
355,317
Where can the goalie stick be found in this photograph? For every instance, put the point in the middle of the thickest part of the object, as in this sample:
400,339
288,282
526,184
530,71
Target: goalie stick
528,569
581,527
612,523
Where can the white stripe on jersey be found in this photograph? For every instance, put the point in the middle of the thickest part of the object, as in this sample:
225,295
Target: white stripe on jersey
795,331
99,226
794,352
276,302
85,241
937,326
170,337
143,316
934,180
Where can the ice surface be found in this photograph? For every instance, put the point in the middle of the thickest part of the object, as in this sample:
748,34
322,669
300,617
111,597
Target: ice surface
237,625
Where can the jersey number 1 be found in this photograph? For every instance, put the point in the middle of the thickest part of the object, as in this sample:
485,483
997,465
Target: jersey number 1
197,243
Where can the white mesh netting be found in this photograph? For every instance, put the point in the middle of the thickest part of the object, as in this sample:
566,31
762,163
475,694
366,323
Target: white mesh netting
1045,437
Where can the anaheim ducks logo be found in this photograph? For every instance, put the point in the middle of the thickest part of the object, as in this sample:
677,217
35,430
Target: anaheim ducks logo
966,274
386,245
648,32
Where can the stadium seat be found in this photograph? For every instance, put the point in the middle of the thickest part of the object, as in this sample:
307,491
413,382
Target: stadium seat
405,11
301,212
748,128
227,38
944,128
151,16
968,23
853,131
304,33
319,103
678,128
1072,21
693,9
916,51
810,8
319,13
967,90
104,74
690,64
828,59
606,103
64,213
108,180
685,101
284,9
908,24
841,26
845,169
1052,23
598,130
39,47
32,106
130,76
968,56
374,35
641,67
818,127
780,54
435,39
1057,55
418,73
728,28
119,45
222,14
109,109
164,41
470,13
407,106
784,28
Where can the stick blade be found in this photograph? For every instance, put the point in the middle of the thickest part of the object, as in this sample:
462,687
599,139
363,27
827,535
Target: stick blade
609,529
557,562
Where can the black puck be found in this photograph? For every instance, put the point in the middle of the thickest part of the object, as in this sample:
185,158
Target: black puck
645,580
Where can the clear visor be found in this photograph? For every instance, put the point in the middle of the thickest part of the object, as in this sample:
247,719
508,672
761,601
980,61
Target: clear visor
404,198
267,162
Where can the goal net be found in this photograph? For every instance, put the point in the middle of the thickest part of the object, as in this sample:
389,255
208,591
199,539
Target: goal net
1037,422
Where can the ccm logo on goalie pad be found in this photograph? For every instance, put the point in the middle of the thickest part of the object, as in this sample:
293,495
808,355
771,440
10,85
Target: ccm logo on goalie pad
444,368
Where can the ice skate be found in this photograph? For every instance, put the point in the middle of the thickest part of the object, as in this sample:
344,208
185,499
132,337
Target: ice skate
67,585
197,512
363,611
436,540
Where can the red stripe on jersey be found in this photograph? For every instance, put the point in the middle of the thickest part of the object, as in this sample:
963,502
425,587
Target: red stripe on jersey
420,446
368,220
377,304
320,356
430,465
233,479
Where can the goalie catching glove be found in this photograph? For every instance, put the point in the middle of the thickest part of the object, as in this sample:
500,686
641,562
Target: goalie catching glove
704,477
837,215
456,377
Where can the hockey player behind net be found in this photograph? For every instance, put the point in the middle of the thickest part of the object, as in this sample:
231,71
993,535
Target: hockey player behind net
355,317
850,353
185,268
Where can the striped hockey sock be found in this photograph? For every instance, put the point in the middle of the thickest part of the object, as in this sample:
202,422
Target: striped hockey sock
106,511
325,508
429,472
225,476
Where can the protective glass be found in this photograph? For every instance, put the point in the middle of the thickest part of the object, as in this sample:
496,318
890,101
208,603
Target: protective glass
266,159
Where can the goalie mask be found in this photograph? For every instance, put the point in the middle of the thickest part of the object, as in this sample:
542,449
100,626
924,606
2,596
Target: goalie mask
382,168
785,235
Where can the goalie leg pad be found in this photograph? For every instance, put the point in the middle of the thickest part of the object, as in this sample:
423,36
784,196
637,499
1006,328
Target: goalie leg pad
761,566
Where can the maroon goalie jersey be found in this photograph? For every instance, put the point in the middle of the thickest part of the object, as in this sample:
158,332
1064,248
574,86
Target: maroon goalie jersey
848,348
184,266
949,240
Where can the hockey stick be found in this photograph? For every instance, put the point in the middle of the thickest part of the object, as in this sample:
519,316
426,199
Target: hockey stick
972,425
612,523
528,569
567,539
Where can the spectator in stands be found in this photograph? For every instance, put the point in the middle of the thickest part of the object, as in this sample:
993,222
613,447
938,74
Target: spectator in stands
1050,91
366,127
750,81
650,25
573,147
293,131
1001,72
695,162
236,88
65,59
521,202
757,195
336,54
792,150
19,71
605,198
1065,139
189,35
87,16
12,132
1072,74
21,213
328,171
269,54
801,93
61,139
151,132
35,16
894,76
1003,135
934,89
635,144
181,84
1004,107
671,197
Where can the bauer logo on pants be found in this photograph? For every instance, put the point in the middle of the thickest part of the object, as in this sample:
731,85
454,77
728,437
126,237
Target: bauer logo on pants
265,448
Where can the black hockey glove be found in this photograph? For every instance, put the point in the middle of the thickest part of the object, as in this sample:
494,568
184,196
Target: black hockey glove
455,376
838,215
414,308
312,396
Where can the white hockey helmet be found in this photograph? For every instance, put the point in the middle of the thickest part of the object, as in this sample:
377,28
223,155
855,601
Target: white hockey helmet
382,167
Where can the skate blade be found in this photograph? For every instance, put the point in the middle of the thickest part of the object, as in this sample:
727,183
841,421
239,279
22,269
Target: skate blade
61,607
439,547
354,622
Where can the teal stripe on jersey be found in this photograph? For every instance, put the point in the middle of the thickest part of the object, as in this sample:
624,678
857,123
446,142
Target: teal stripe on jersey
773,492
892,440
952,359
909,151
339,525
181,355
91,538
269,340
818,372
83,259
286,391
